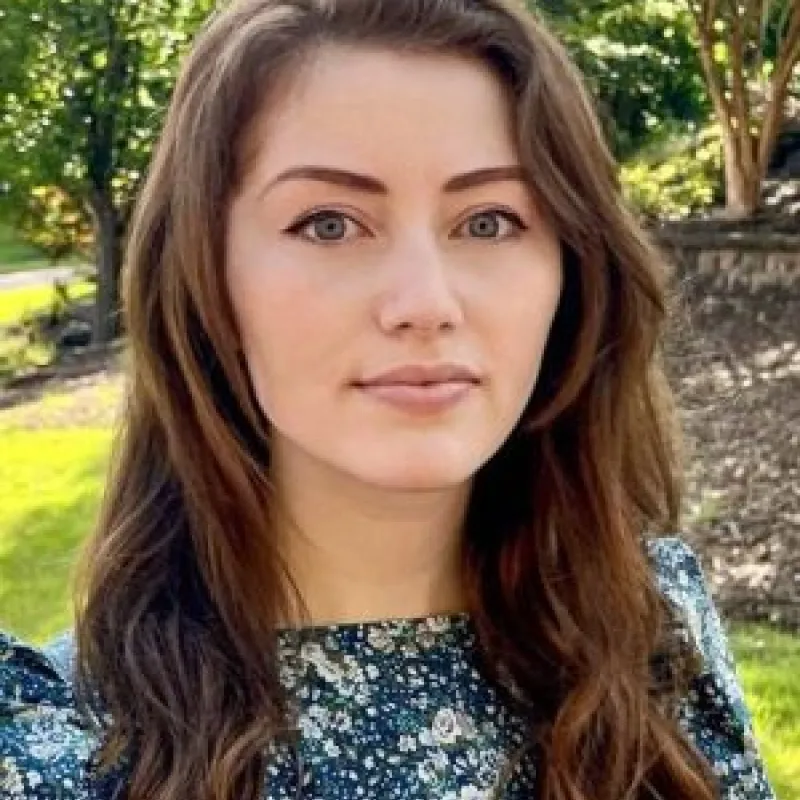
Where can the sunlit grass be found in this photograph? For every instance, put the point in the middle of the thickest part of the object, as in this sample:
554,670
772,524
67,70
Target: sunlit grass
50,482
769,667
15,304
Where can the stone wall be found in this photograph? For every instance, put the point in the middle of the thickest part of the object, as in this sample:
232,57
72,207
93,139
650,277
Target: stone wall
731,260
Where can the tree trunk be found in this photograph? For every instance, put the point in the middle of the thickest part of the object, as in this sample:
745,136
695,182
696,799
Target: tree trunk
742,186
106,324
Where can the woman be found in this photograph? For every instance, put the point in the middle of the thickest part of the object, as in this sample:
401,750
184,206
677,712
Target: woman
395,434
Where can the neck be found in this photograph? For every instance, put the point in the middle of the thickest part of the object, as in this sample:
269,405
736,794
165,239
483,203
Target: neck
358,553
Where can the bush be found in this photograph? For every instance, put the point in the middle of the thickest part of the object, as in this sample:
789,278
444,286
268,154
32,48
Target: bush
676,176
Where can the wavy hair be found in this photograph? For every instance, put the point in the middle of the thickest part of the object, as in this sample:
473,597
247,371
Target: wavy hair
181,586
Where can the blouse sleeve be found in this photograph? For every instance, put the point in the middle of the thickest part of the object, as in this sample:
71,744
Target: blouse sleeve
714,713
43,747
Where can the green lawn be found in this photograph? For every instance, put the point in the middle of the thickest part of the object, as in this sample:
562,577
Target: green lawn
15,303
54,456
769,666
49,484
15,255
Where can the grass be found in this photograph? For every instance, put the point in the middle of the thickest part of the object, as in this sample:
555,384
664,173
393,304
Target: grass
50,481
17,303
55,452
16,255
769,665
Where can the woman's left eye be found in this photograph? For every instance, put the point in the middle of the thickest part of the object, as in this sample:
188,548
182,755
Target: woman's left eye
494,224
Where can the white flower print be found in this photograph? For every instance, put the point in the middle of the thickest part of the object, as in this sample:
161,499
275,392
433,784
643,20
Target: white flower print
445,728
440,760
472,793
10,779
331,749
379,639
341,720
34,778
407,744
427,771
466,725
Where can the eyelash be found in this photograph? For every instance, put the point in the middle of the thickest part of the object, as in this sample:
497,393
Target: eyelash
296,227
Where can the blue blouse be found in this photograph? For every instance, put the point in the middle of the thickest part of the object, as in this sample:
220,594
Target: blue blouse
387,709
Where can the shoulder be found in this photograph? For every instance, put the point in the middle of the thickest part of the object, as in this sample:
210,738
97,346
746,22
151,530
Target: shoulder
714,714
44,747
680,578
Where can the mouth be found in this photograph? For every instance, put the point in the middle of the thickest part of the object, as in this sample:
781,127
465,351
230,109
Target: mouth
423,375
422,390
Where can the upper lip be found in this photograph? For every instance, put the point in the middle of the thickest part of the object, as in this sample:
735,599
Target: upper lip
421,374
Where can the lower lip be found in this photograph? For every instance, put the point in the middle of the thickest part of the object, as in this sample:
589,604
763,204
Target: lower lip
428,399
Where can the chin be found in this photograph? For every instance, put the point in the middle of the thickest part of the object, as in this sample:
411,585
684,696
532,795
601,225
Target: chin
422,474
418,483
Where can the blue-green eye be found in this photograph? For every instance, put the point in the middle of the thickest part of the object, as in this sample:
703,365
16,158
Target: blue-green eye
325,226
492,223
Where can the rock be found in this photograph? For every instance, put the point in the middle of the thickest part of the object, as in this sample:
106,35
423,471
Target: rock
76,333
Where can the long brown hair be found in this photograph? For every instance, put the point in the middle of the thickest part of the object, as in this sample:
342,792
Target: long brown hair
181,586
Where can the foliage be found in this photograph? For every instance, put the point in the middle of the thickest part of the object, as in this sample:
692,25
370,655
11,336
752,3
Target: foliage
749,53
19,355
50,221
29,318
654,63
675,176
640,63
84,85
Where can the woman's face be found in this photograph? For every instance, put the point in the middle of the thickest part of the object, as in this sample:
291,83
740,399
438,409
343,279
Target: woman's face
383,226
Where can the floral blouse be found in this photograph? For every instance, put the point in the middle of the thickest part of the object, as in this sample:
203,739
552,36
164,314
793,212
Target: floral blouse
388,709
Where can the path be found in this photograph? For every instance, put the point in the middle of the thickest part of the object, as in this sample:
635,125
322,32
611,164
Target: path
36,277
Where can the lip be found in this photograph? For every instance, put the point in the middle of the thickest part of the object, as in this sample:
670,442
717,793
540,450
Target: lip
422,375
421,388
428,398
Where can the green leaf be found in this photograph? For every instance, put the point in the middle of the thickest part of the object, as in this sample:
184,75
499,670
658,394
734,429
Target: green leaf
145,98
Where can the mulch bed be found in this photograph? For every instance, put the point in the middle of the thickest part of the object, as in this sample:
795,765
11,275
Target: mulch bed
735,363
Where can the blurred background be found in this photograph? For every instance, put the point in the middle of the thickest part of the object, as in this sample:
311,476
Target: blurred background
701,104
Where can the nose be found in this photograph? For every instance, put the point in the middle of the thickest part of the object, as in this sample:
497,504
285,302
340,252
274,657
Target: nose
420,294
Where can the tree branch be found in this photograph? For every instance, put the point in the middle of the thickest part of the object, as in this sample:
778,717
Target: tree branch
721,105
740,94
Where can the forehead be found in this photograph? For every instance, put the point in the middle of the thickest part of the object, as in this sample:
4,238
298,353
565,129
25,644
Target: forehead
387,107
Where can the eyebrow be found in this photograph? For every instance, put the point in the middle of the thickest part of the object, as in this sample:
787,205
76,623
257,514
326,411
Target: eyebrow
370,185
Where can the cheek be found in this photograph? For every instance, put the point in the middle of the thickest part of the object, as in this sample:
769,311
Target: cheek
275,328
293,336
524,310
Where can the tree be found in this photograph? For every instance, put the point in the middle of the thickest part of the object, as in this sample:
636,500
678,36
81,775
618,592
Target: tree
640,62
749,51
83,87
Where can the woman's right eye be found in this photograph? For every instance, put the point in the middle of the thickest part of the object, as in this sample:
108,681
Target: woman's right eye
324,227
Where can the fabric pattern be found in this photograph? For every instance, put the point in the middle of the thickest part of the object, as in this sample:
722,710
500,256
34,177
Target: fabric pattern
387,709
